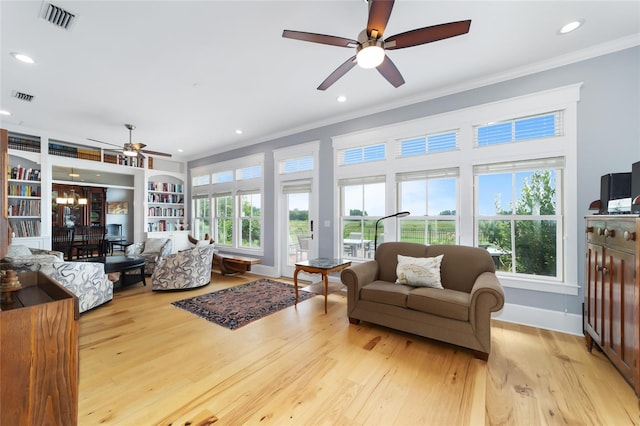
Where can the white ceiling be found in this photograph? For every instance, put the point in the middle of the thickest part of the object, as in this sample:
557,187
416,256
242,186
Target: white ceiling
188,74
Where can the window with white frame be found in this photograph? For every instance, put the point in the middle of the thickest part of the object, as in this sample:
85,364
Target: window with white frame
519,215
223,218
230,206
362,154
431,143
201,216
431,198
362,204
508,183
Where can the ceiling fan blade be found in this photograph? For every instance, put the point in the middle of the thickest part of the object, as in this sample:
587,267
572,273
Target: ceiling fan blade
163,154
320,38
379,13
389,71
106,143
338,73
427,35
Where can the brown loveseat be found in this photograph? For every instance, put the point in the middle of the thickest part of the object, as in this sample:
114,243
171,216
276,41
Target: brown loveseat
460,313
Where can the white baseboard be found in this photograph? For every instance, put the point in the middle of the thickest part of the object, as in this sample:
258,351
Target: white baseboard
541,318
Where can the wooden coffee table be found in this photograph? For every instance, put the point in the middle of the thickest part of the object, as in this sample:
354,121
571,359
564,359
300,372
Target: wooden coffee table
320,266
122,264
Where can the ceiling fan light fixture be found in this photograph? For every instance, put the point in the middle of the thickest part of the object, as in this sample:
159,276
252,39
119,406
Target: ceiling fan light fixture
129,151
370,54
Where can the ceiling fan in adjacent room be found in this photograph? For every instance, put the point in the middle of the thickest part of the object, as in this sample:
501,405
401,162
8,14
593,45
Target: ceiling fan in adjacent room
131,149
370,47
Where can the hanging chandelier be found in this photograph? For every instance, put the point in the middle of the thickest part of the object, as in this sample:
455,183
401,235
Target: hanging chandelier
71,198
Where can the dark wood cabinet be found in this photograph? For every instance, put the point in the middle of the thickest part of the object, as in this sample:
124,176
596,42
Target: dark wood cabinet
612,293
93,213
39,356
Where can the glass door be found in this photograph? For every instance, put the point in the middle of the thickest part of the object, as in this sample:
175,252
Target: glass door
297,234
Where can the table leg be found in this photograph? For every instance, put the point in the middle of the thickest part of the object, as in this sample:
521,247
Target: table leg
325,275
295,283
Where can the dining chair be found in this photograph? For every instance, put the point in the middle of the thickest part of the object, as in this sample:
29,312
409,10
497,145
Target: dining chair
303,247
62,240
93,242
113,237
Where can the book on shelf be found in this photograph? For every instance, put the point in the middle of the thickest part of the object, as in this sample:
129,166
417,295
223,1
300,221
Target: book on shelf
25,228
25,208
17,190
23,173
23,144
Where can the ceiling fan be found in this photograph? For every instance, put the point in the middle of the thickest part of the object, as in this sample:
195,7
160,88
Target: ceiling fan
370,47
131,149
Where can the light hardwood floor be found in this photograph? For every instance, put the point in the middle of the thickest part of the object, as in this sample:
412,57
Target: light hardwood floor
145,362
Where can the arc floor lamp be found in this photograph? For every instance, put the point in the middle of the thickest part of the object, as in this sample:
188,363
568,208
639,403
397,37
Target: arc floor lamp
375,239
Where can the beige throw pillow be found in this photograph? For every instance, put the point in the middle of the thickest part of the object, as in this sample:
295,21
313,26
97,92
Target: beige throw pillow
154,245
419,271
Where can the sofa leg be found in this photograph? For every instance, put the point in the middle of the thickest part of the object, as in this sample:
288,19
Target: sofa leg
484,356
354,320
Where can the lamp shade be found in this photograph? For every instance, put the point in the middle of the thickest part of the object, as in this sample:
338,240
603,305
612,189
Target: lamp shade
370,54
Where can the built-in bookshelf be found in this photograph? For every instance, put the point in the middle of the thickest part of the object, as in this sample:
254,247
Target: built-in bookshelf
165,204
24,193
24,142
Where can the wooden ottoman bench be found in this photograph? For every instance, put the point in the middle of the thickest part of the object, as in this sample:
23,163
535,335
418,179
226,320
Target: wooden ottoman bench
234,264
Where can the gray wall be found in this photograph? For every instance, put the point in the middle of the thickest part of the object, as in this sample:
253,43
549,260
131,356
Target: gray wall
608,141
126,220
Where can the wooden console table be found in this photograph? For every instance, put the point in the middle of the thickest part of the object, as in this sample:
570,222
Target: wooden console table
39,357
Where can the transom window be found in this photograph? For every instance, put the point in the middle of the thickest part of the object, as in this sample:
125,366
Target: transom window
520,129
438,142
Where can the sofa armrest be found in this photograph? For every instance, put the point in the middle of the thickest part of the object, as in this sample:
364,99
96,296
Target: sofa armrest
487,295
358,275
134,249
58,254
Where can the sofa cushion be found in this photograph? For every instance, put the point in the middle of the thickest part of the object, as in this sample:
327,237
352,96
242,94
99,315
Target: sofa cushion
386,292
16,250
444,303
153,245
419,271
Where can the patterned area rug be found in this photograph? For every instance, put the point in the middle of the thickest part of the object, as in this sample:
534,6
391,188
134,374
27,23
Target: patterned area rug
235,307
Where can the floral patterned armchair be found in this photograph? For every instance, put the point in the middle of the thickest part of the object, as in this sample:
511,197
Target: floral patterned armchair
186,269
87,280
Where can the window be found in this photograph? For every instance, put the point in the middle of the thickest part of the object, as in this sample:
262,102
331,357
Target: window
361,154
437,142
431,198
250,219
230,207
200,180
519,215
503,179
296,165
363,203
223,219
202,217
520,129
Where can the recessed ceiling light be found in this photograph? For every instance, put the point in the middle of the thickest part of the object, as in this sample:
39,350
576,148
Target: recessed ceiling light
238,131
23,58
74,174
571,26
4,112
98,174
341,98
180,150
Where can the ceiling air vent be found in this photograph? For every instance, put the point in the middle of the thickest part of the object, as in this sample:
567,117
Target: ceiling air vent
22,96
57,16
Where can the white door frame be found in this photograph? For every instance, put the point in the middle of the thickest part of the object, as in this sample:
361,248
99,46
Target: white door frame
281,234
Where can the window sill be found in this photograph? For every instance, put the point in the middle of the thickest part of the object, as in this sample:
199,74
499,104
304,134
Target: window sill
538,285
